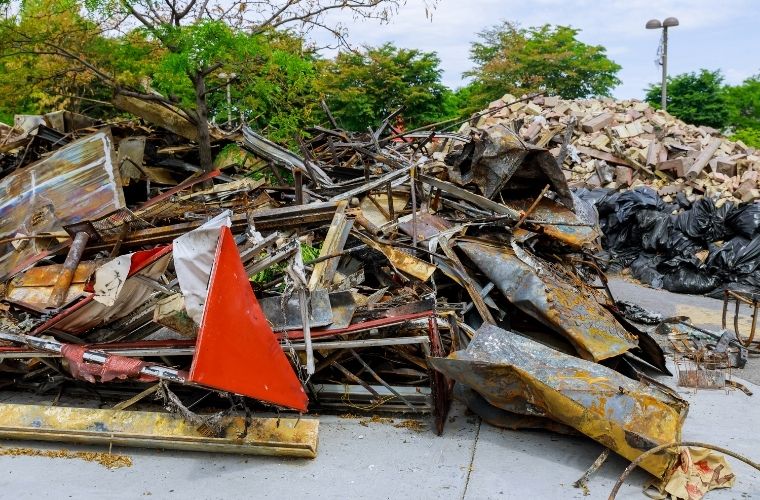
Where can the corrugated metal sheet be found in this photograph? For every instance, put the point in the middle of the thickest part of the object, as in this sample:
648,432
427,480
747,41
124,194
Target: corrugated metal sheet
77,182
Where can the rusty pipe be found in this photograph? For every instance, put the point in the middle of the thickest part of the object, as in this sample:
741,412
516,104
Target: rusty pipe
66,276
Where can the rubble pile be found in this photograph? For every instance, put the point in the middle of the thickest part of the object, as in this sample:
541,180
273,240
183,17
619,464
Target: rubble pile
619,144
367,272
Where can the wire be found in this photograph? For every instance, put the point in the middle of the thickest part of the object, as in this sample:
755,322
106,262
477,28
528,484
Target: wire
656,449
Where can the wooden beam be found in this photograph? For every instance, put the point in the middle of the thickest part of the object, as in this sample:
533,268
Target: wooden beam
291,437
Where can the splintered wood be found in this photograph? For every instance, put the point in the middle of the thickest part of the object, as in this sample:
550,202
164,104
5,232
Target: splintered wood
627,143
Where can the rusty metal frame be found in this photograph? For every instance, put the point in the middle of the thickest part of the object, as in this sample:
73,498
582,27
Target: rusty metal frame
739,299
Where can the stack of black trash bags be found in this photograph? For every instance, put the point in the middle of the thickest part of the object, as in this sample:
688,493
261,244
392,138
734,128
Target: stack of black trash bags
685,247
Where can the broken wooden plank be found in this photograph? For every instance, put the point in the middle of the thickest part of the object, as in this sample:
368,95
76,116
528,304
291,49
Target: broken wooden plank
703,158
163,115
601,155
337,235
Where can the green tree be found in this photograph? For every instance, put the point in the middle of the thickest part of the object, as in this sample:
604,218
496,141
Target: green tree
697,98
510,59
34,79
200,37
743,102
362,88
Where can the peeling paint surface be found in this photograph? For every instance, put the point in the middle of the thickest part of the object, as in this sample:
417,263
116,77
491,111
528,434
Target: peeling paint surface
522,376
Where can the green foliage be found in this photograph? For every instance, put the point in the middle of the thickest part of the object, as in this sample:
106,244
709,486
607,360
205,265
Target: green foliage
697,98
308,254
743,103
274,89
32,79
749,136
362,89
510,59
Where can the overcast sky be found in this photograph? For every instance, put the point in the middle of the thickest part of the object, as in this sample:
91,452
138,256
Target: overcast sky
714,34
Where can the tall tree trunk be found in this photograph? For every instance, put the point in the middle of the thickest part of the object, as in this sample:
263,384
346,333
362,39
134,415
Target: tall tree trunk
201,107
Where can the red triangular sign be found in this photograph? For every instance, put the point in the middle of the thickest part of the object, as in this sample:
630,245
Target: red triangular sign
236,349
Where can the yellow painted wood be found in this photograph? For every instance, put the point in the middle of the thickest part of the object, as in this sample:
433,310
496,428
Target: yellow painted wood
290,437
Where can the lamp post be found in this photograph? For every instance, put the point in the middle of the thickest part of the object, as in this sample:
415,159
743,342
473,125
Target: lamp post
229,77
655,24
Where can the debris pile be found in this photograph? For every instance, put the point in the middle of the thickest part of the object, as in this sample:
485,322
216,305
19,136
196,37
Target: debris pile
368,272
619,144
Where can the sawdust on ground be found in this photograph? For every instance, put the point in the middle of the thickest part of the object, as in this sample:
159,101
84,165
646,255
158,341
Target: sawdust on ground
107,460
714,318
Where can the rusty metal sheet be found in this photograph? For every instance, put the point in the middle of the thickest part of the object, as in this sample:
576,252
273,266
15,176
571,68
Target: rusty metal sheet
280,436
77,182
499,159
32,288
569,308
401,260
627,416
285,313
133,294
506,419
427,225
561,223
343,307
130,159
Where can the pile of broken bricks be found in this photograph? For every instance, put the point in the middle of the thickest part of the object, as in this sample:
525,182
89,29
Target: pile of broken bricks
622,144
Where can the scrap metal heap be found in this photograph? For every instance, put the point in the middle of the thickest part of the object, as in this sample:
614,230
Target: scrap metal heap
368,272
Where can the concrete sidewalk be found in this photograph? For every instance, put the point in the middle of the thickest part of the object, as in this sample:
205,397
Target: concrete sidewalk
360,459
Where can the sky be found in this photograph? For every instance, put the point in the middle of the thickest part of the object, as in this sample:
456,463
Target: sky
713,34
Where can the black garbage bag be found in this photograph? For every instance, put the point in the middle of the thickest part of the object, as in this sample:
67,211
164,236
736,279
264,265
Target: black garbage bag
736,286
748,257
704,221
689,280
636,313
644,269
745,220
654,226
630,202
737,256
593,196
722,257
682,200
680,245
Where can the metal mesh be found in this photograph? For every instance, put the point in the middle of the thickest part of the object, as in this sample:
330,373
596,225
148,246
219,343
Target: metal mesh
114,224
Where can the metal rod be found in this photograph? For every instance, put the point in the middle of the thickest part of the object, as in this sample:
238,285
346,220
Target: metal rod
532,206
391,208
298,181
412,174
99,357
664,92
304,303
66,276
377,377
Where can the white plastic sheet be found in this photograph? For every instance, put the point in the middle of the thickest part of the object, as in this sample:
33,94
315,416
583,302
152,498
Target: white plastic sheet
194,255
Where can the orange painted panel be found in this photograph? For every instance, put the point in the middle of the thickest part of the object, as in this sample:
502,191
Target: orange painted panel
237,351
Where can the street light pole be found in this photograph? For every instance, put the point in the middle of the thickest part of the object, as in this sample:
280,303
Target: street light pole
664,87
653,24
229,77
